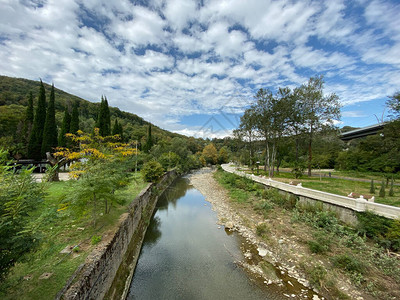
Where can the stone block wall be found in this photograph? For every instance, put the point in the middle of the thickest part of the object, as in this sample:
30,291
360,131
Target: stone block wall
93,279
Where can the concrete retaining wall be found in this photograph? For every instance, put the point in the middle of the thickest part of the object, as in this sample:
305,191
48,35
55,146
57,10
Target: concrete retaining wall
95,277
335,201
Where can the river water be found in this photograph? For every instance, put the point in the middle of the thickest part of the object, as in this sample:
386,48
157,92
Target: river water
186,255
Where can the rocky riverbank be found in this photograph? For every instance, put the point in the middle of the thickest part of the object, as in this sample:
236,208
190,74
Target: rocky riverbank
284,247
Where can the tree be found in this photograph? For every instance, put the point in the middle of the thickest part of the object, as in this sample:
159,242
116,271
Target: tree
152,171
372,188
382,191
272,113
29,116
74,127
247,131
100,167
318,110
117,129
223,155
65,128
210,154
107,117
36,138
149,141
50,139
391,191
394,104
103,119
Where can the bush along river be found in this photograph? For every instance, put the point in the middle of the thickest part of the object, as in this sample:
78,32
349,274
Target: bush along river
187,255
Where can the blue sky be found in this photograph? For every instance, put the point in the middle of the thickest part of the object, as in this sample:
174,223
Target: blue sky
193,66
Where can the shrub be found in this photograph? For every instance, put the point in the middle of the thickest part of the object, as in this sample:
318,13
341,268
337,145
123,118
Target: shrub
152,171
263,205
96,239
348,263
385,232
262,229
317,276
320,245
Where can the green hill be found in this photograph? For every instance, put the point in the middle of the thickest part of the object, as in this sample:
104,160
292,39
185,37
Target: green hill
14,93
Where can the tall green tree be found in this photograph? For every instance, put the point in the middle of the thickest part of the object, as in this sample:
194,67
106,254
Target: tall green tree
247,132
65,128
29,117
149,140
115,129
50,133
74,127
318,110
107,117
103,119
36,137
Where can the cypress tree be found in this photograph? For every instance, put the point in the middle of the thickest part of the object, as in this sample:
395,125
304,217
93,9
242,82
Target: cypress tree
29,116
103,119
65,128
107,127
74,119
121,131
99,121
50,140
36,137
115,129
372,188
149,141
382,192
391,191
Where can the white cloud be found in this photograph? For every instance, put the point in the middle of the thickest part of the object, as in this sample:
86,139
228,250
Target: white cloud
177,58
180,12
146,27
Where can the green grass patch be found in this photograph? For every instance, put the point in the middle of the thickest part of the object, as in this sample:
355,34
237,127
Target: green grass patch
57,227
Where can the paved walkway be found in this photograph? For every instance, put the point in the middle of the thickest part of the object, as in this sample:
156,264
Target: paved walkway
39,176
359,204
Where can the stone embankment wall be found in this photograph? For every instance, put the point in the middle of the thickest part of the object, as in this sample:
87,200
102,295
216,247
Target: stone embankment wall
93,279
344,206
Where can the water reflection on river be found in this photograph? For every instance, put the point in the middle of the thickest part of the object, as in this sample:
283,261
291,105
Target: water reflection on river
186,256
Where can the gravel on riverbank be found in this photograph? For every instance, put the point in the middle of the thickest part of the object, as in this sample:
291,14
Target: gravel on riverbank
284,249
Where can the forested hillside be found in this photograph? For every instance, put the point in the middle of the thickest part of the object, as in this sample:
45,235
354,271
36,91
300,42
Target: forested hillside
14,95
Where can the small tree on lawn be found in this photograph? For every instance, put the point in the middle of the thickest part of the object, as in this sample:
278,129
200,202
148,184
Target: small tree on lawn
391,191
382,192
372,188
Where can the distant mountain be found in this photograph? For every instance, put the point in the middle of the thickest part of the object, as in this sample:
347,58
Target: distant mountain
14,93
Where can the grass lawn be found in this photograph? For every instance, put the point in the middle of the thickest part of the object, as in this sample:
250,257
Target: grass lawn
57,229
342,187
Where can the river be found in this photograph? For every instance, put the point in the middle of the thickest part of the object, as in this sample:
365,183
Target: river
186,255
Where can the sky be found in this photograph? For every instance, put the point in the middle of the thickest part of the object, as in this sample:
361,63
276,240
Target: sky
193,67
